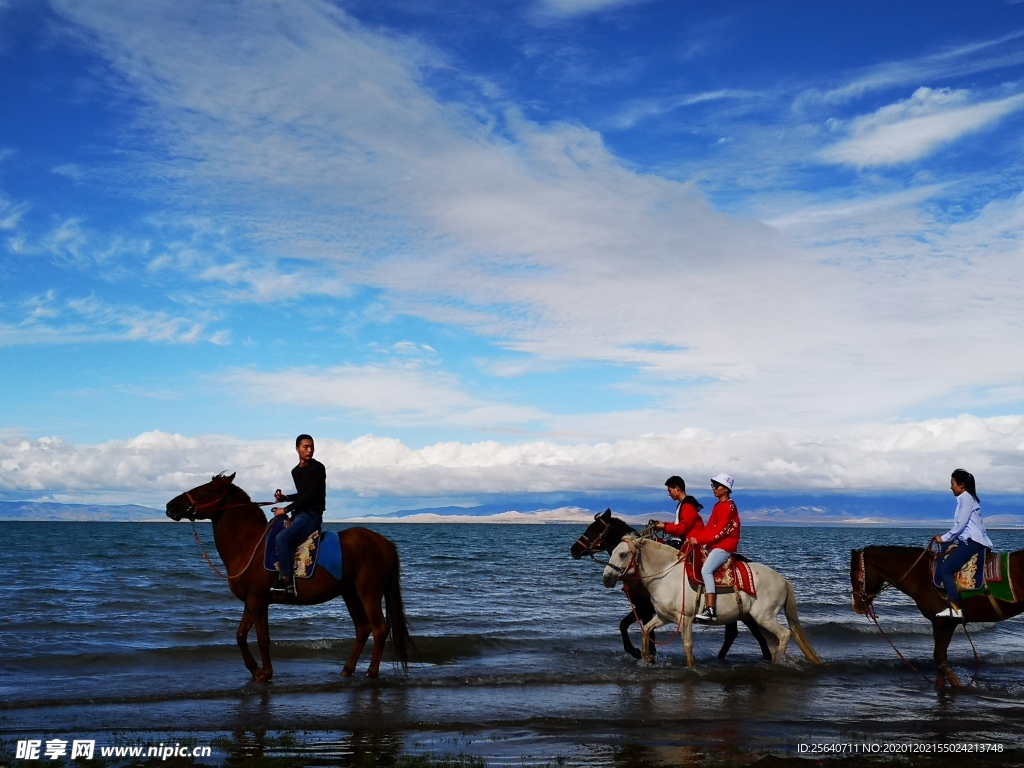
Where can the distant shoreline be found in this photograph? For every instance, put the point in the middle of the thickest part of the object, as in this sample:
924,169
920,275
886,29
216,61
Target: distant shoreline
913,524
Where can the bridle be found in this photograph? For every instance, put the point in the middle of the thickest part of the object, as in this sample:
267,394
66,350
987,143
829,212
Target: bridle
634,562
592,544
195,508
862,592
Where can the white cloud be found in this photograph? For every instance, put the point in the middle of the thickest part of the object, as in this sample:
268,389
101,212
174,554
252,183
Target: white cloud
985,56
568,8
911,129
639,110
328,148
398,394
48,319
155,466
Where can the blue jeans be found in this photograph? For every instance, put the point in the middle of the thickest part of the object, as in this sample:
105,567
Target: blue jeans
303,524
715,559
954,561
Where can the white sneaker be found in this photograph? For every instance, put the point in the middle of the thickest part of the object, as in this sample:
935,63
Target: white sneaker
950,613
707,616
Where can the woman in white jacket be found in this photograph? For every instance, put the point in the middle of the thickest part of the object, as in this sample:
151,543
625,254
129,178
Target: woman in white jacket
968,532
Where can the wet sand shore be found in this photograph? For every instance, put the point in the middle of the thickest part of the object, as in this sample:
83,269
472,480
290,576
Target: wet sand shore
363,722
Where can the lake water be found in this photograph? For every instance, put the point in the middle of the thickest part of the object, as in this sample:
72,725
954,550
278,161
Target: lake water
114,631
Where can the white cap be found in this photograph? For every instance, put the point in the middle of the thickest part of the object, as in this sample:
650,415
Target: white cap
723,479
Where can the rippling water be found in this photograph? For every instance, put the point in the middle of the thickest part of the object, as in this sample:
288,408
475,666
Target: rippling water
115,621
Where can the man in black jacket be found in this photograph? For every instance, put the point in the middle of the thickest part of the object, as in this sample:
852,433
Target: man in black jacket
307,508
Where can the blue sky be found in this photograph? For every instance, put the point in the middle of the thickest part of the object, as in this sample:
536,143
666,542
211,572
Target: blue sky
510,247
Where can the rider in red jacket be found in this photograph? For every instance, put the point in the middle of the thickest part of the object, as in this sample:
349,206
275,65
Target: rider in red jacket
722,536
688,519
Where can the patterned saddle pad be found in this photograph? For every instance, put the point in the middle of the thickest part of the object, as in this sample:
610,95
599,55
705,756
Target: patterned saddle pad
992,578
321,549
735,573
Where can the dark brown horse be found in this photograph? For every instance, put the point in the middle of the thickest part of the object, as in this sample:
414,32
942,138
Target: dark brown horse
370,573
909,570
603,535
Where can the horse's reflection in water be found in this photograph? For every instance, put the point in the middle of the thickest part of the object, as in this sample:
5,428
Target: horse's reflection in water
336,739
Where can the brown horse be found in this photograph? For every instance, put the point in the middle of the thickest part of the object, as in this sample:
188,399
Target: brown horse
603,535
909,570
370,573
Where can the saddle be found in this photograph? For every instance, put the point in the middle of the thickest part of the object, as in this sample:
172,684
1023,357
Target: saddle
992,578
734,575
317,548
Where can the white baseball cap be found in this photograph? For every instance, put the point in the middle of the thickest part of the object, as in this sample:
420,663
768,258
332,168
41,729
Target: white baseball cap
723,479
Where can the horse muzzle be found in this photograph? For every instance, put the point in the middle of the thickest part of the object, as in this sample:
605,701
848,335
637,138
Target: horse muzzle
611,575
178,514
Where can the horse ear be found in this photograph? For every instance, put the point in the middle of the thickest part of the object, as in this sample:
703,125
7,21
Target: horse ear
230,478
607,514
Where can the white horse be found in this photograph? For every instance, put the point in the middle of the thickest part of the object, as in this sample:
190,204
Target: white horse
661,569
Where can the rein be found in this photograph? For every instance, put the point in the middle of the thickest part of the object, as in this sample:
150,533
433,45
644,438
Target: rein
869,610
682,608
207,506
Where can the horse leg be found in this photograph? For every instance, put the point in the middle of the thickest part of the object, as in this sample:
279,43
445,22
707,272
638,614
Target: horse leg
755,630
942,632
355,610
778,635
258,613
242,637
379,625
688,640
627,621
648,647
730,636
648,634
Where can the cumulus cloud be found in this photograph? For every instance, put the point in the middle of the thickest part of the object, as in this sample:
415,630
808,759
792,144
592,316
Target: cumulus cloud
911,129
156,466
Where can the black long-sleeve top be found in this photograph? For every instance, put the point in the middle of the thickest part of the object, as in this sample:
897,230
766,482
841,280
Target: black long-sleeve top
311,484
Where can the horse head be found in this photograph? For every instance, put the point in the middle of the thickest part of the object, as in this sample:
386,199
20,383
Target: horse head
622,560
592,539
865,582
602,535
202,501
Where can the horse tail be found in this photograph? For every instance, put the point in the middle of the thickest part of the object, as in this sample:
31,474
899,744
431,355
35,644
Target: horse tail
794,626
394,610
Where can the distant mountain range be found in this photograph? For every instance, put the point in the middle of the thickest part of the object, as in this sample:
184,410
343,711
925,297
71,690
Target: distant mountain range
756,508
49,510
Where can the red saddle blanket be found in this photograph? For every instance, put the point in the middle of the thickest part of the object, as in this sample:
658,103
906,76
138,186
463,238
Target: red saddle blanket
735,574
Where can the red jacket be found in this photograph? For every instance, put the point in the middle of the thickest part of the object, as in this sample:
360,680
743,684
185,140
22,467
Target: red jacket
688,519
723,528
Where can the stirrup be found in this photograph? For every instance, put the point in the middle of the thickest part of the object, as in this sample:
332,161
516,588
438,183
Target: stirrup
284,587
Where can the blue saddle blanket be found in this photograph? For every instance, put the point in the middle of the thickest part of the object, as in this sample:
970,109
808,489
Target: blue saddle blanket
323,549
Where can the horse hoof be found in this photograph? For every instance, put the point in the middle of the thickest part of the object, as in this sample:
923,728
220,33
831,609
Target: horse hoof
372,673
347,671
